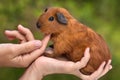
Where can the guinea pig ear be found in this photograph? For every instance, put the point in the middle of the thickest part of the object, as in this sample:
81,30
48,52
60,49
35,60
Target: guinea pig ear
61,18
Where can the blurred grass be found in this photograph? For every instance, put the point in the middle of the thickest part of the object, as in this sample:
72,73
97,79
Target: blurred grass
103,16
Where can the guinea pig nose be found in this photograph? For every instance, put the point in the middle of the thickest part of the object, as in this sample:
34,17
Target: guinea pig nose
38,25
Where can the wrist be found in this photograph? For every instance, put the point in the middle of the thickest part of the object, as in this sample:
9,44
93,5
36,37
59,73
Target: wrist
31,74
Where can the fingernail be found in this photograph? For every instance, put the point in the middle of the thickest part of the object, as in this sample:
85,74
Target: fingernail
88,49
7,30
38,44
20,25
110,67
110,61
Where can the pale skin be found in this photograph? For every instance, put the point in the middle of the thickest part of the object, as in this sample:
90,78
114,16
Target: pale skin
42,65
21,55
52,66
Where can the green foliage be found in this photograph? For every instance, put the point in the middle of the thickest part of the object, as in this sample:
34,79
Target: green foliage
101,15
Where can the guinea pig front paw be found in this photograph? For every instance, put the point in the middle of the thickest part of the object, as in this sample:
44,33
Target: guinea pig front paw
49,52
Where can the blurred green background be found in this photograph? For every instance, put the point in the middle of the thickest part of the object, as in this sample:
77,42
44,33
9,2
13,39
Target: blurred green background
103,16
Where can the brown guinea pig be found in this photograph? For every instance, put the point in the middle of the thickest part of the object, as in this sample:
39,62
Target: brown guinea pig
71,38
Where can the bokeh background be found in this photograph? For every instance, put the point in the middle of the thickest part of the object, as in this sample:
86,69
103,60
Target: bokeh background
103,16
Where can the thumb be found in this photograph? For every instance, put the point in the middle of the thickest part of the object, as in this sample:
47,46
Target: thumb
27,47
45,42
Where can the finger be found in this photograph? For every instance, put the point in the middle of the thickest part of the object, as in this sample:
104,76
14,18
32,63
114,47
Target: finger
14,34
106,69
10,38
104,72
83,62
45,42
99,71
27,47
26,32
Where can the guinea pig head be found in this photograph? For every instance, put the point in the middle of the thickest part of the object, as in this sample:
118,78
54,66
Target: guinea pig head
53,21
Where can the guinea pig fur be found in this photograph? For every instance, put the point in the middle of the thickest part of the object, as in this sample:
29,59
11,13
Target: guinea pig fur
71,38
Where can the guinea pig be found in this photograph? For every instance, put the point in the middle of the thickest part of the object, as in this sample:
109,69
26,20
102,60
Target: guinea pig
71,38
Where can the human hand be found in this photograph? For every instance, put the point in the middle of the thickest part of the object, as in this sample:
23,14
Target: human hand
21,55
101,71
44,66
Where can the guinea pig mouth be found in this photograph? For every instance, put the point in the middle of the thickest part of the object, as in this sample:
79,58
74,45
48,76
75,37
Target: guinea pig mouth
52,35
44,31
47,33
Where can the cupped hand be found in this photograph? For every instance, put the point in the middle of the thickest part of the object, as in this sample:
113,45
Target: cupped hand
44,66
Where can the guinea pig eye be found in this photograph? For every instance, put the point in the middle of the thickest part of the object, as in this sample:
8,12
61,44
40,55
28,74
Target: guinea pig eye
51,18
